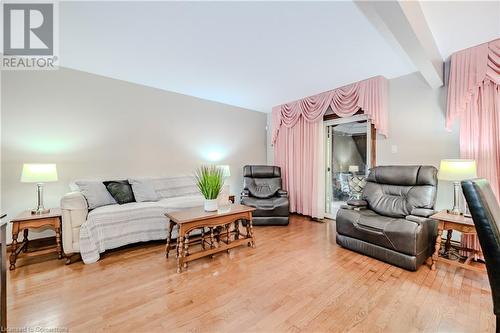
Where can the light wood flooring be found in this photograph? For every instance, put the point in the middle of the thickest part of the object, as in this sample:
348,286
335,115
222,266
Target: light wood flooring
296,280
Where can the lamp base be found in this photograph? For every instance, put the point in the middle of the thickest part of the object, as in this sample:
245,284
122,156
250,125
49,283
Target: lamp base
454,211
39,211
456,195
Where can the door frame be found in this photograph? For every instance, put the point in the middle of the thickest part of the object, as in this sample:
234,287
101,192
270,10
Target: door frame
370,153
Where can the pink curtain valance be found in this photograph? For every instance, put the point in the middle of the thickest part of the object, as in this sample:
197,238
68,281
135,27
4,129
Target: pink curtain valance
468,70
369,95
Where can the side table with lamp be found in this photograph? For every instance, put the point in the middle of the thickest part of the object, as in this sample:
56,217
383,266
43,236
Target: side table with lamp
36,218
454,170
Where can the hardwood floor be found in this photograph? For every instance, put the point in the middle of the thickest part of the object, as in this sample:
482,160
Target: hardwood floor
296,280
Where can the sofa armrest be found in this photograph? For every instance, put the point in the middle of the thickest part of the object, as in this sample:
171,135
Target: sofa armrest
423,212
74,213
245,193
282,193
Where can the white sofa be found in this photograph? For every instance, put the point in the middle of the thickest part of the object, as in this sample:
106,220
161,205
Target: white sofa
90,232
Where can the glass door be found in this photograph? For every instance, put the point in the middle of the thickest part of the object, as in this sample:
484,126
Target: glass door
348,157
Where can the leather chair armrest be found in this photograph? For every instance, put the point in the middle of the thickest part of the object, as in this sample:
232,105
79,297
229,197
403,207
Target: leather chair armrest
422,212
282,193
417,219
245,193
357,203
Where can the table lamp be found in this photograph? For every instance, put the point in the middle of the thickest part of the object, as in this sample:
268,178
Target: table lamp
353,169
456,170
226,171
225,191
40,174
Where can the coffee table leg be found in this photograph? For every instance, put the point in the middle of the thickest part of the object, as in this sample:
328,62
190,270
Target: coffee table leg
58,240
203,238
169,238
186,249
180,260
250,233
25,240
437,247
177,248
13,246
447,245
237,230
213,241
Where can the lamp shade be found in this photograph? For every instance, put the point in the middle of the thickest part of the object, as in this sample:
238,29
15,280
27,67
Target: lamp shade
353,168
457,170
39,173
226,171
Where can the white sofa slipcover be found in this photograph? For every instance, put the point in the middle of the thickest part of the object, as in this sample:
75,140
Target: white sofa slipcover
91,232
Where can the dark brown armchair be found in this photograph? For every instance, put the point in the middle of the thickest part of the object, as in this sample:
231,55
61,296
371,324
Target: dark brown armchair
262,190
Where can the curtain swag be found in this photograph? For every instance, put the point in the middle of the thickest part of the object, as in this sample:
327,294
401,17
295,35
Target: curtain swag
469,70
368,95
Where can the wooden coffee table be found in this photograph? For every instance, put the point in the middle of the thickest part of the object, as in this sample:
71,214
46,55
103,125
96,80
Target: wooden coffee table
223,226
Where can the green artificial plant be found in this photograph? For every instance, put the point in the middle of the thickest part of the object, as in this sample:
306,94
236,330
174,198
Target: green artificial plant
209,180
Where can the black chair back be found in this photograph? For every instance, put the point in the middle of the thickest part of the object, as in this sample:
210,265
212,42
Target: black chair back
485,212
262,181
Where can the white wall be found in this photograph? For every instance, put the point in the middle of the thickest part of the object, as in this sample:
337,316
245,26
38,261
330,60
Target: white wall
417,133
92,126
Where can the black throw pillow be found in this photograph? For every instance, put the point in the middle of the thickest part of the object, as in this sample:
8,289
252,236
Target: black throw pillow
120,190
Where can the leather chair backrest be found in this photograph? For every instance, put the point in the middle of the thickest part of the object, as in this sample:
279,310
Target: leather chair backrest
396,190
485,212
262,181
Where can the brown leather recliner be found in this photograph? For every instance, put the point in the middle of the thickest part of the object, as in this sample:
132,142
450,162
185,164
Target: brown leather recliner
391,222
262,190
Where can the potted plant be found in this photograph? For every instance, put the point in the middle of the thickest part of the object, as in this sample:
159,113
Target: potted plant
210,180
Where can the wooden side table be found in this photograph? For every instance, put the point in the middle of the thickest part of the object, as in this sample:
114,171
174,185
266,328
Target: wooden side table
25,221
3,274
452,222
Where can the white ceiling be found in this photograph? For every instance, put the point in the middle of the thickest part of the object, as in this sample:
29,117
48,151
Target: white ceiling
457,25
249,54
253,55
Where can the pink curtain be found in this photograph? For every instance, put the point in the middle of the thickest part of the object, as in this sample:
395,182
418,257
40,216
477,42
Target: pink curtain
474,99
296,129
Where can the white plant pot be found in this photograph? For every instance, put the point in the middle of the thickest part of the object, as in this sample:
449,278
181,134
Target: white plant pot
211,205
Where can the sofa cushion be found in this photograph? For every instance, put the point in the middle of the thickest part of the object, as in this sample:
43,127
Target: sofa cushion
95,192
392,233
143,189
170,187
120,190
276,206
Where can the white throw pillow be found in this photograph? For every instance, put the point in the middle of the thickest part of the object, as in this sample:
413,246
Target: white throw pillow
143,190
95,192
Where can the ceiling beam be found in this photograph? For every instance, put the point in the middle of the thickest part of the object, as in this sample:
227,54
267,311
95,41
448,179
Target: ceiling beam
403,25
